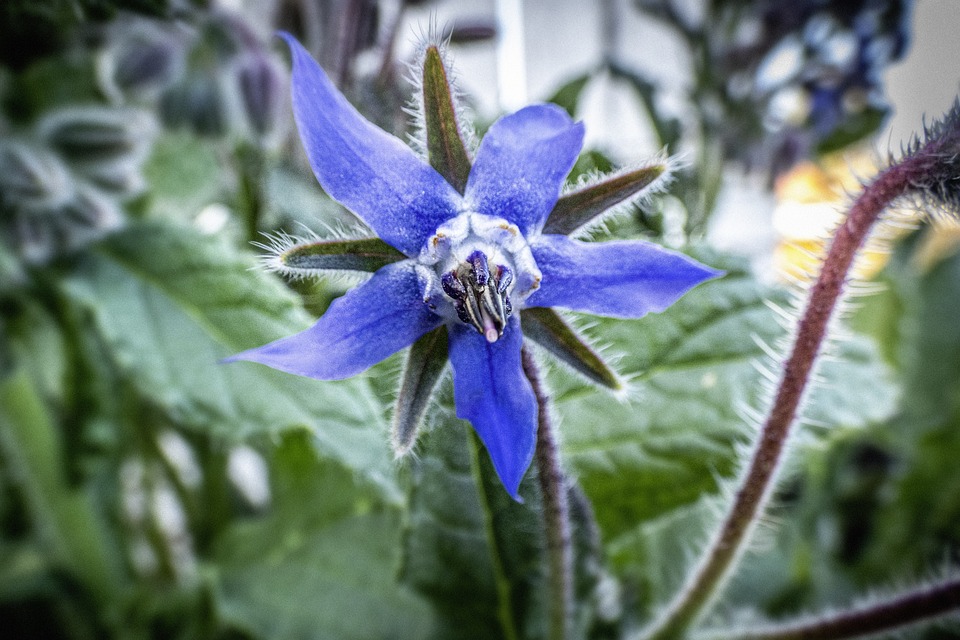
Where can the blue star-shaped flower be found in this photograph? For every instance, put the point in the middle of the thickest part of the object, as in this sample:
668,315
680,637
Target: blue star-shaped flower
470,261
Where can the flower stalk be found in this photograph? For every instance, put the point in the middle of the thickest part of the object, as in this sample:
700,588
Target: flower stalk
758,481
903,610
556,511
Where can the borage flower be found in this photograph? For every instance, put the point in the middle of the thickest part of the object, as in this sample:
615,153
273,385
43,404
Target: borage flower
468,248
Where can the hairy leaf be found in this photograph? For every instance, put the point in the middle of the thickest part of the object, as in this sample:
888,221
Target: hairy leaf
471,549
170,304
695,382
321,565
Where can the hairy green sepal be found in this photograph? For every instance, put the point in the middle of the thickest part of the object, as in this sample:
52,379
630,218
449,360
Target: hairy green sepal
425,364
579,207
549,330
445,147
364,254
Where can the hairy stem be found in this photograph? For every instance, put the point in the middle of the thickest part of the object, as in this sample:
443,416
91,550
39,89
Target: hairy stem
758,481
909,608
556,513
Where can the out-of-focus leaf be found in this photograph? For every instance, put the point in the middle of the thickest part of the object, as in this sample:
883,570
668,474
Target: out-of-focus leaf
854,129
568,95
37,345
322,564
185,174
296,199
170,304
929,344
64,519
899,509
52,82
470,549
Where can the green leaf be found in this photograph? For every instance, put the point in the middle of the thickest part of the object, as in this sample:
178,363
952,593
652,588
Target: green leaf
929,350
185,174
53,82
471,550
894,497
37,345
668,129
362,254
479,556
854,128
568,95
693,379
445,147
548,329
425,365
295,198
169,304
64,519
322,564
577,208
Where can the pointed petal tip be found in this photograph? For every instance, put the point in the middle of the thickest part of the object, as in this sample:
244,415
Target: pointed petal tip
292,43
372,173
619,278
709,273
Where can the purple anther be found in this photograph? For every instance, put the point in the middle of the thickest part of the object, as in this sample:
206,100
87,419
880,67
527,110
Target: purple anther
461,308
452,286
504,278
481,270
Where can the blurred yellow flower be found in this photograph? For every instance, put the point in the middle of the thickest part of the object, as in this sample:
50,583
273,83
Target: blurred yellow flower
811,201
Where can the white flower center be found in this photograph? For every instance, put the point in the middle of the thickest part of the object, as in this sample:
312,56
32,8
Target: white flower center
476,268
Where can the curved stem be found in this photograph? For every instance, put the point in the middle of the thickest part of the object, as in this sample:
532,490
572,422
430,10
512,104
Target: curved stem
758,481
909,608
556,512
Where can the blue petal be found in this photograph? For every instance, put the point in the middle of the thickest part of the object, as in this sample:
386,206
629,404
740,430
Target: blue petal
370,172
626,279
493,394
521,165
361,328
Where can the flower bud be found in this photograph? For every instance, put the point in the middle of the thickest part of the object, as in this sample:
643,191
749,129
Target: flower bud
196,102
473,31
88,217
95,134
141,64
260,91
32,177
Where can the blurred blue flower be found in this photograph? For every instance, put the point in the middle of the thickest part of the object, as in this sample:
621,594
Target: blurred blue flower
472,260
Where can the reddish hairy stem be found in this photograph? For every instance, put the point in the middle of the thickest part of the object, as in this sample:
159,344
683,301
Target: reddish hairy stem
895,613
757,483
556,511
